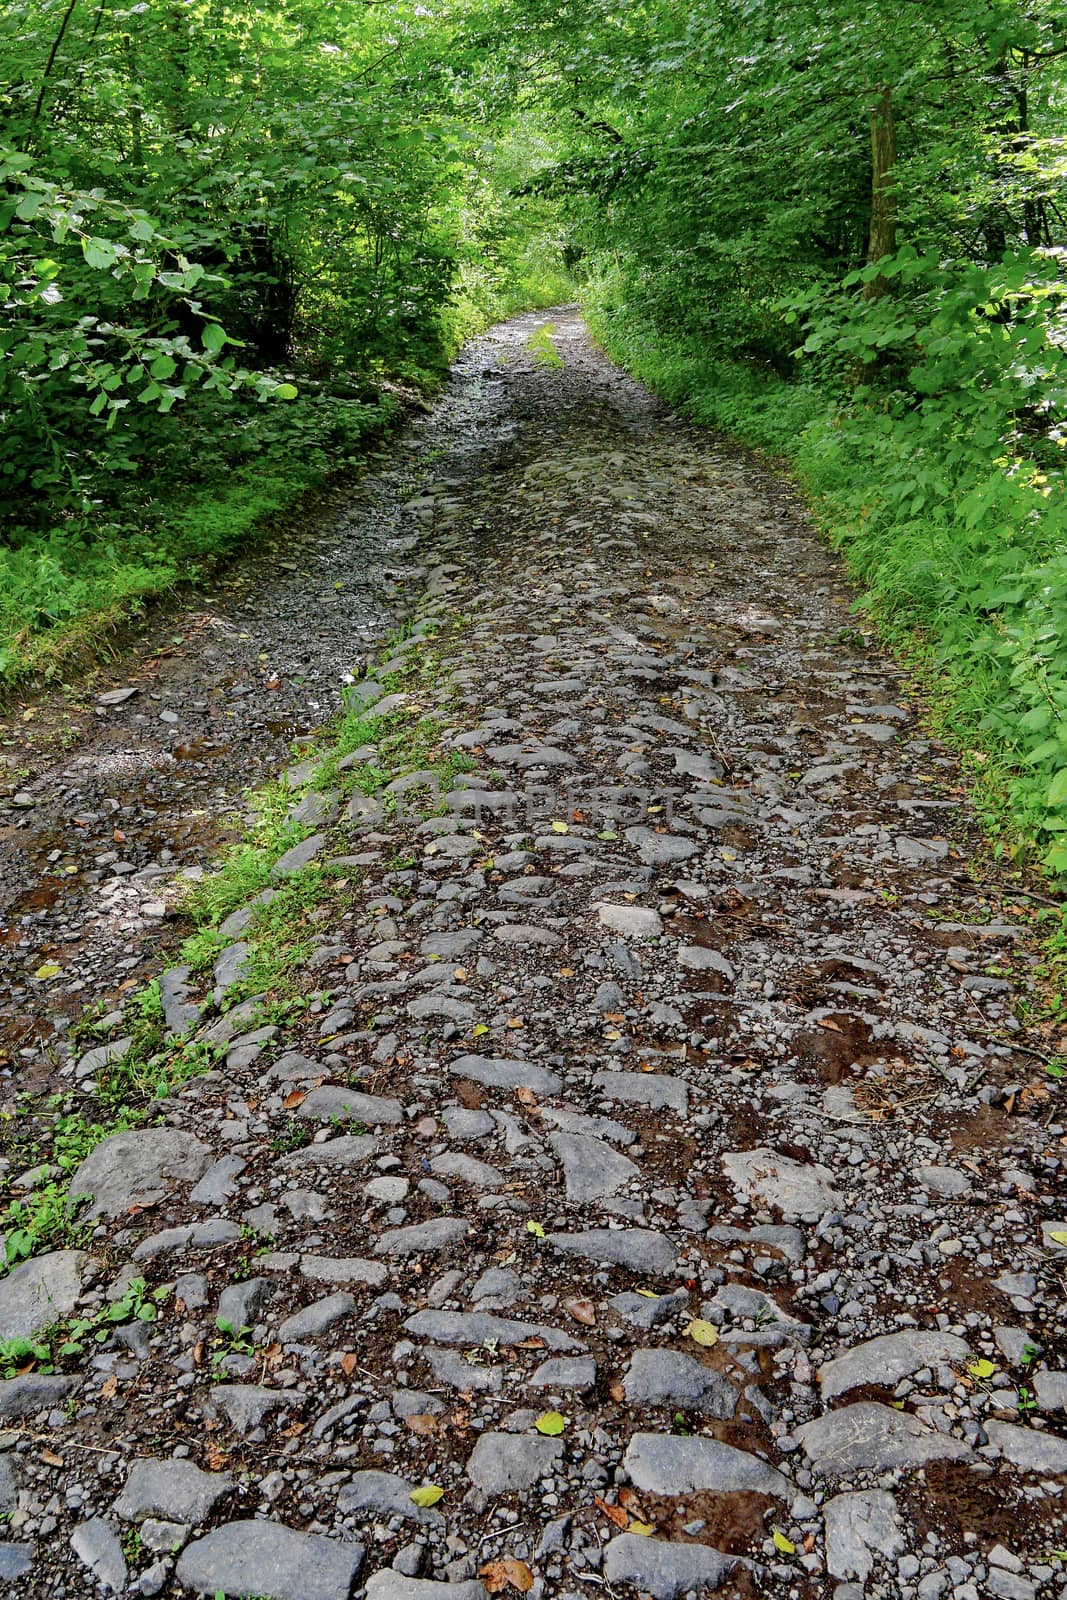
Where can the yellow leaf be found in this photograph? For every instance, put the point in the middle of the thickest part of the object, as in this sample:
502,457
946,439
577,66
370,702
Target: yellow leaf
51,969
559,827
648,1294
536,1229
1058,1235
478,1029
643,1528
427,1494
981,1368
551,1422
786,1546
702,1332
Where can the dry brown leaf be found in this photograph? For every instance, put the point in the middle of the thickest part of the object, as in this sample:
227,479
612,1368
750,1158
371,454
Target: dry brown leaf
617,1392
500,1575
215,1457
293,1099
349,1363
526,1097
110,1388
582,1311
614,1514
50,1458
421,1422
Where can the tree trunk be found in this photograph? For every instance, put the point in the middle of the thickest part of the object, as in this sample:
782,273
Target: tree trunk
883,235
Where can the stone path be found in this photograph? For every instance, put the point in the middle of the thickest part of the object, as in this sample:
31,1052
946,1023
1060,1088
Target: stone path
657,1172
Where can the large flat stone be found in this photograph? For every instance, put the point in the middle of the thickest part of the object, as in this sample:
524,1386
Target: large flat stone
663,1570
859,1527
672,1378
26,1396
271,1562
889,1358
475,1327
640,1249
422,1238
390,1585
592,1170
799,1191
657,1090
138,1168
868,1437
348,1150
504,1463
40,1292
332,1103
666,1463
629,922
175,1490
384,1494
498,1072
97,1547
1030,1449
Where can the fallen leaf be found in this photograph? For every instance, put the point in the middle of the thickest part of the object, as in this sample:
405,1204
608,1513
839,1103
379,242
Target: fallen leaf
349,1363
614,1514
536,1229
422,1423
479,1029
642,1528
427,1494
560,827
50,969
786,1546
509,1572
109,1388
701,1332
50,1458
648,1294
294,1099
618,1393
582,1311
526,1097
551,1422
981,1368
1058,1236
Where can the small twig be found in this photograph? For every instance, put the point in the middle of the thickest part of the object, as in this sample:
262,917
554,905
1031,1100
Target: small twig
495,1533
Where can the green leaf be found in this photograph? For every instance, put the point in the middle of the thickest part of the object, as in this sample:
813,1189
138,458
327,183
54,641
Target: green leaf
782,1543
214,337
551,1423
286,391
427,1494
1057,790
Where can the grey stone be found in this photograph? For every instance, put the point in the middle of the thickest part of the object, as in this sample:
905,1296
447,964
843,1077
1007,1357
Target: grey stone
799,1191
349,1150
665,1571
500,1284
672,1378
498,1072
663,1463
1051,1390
193,1236
95,1545
316,1318
889,1358
231,966
699,958
653,1089
479,1174
502,1463
647,1312
101,1055
24,1397
629,922
246,1404
138,1168
299,856
39,1292
176,1490
637,1248
450,946
565,1372
270,1561
858,1527
16,1560
591,1168
241,1303
464,1124
331,1102
524,933
390,1585
868,1437
386,1495
422,1238
451,1370
475,1327
945,1181
179,1012
1028,1448
8,1485
595,1127
661,849
735,1302
343,1269
217,1185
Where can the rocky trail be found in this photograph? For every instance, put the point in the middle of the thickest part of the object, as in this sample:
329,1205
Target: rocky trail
596,1147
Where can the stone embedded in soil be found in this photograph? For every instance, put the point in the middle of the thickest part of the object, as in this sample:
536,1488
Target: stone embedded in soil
497,1072
478,1327
270,1561
672,1378
100,1056
664,1463
348,1150
629,922
1028,1448
592,1170
637,1248
565,1372
138,1168
869,1437
503,1463
890,1357
26,1396
301,855
387,1495
175,1490
244,1405
661,849
735,1302
40,1292
422,1238
317,1318
859,1527
800,1191
656,1090
96,1545
331,1103
16,1561
390,1585
665,1571
647,1312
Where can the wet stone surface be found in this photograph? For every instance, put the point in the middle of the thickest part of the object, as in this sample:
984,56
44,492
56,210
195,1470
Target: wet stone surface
640,1094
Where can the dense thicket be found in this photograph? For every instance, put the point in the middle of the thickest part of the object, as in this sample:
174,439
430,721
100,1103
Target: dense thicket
220,223
840,229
